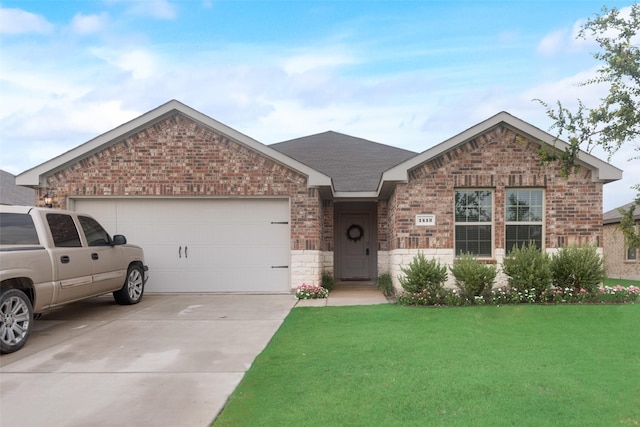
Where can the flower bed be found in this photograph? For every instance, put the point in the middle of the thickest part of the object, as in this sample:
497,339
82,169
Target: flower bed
501,296
311,292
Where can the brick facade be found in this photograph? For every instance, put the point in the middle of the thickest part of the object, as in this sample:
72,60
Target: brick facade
615,254
497,160
178,155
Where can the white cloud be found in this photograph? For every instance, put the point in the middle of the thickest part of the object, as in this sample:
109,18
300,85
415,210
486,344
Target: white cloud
553,43
304,63
137,61
18,21
160,9
88,24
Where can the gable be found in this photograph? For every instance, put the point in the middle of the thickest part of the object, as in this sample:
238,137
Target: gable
37,176
598,170
176,156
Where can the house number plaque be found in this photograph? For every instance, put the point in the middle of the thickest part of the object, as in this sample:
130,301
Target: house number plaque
425,220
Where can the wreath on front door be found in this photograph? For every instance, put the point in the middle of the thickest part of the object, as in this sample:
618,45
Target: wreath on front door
355,232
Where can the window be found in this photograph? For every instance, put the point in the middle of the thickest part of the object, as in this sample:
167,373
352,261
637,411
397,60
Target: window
63,231
96,235
474,223
523,217
17,229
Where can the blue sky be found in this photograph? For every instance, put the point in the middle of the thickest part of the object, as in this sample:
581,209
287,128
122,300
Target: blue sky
404,73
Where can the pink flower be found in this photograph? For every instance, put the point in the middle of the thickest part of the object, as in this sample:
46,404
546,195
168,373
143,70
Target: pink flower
582,290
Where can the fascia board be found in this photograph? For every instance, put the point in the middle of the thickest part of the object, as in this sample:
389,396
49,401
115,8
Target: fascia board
355,194
35,175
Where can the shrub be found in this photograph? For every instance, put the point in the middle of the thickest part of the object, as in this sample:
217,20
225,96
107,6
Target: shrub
385,284
578,268
528,268
326,280
422,274
472,277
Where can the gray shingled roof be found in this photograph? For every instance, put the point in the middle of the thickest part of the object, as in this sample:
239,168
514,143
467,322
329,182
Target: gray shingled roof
354,164
12,194
614,216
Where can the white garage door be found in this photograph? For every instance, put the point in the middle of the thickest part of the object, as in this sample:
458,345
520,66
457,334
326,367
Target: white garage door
204,245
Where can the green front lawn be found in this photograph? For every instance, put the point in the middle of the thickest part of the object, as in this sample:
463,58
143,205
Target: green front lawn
521,365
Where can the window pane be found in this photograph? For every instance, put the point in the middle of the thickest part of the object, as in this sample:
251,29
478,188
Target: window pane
17,229
523,205
96,235
63,230
473,206
474,239
632,254
518,235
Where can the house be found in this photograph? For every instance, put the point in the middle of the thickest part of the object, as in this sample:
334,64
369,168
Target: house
621,260
216,210
12,194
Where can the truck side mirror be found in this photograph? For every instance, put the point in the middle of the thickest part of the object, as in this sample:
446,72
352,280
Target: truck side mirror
119,239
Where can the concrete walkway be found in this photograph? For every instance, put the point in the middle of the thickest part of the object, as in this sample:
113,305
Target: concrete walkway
348,293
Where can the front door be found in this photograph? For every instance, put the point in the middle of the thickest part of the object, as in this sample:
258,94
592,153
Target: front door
356,245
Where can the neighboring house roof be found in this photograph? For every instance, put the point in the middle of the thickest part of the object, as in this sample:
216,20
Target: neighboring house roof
354,164
614,216
36,176
602,171
12,194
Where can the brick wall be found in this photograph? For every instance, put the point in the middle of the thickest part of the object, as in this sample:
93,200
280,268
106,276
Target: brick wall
179,157
496,160
615,261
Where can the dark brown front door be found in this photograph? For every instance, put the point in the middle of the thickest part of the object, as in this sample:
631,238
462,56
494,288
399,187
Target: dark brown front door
355,246
356,243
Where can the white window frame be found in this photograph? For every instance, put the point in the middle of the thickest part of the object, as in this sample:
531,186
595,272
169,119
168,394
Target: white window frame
541,223
491,223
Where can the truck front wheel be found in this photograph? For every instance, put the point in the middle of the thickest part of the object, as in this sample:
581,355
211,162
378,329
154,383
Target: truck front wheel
131,291
16,320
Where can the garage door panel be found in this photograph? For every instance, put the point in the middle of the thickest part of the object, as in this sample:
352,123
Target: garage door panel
204,245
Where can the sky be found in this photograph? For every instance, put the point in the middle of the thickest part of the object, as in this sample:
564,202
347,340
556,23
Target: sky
410,74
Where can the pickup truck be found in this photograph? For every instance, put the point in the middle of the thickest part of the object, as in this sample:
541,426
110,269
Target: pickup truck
50,257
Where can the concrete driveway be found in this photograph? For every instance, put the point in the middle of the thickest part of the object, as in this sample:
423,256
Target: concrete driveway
171,360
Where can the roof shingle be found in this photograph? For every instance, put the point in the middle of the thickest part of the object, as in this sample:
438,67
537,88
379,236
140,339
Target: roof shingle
354,164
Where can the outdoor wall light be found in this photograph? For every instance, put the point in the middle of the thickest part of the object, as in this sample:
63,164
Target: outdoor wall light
48,200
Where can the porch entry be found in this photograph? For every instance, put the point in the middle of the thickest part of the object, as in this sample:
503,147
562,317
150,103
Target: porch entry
355,235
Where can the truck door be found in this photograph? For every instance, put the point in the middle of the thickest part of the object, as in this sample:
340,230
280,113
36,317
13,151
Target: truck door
71,261
107,262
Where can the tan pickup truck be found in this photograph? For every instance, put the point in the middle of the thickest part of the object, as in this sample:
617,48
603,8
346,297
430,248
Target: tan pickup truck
50,257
